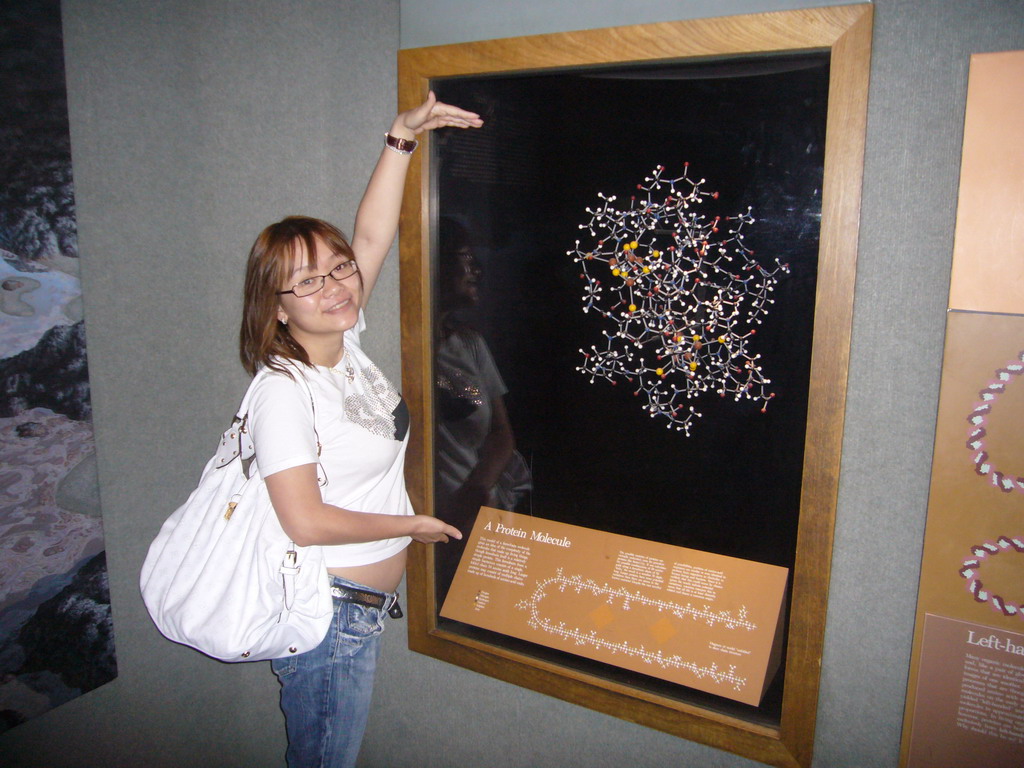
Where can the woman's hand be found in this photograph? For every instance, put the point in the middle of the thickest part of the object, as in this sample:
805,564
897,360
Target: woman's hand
431,530
433,114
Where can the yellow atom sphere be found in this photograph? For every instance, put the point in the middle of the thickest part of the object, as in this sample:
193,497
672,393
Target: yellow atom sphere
615,271
660,371
632,307
693,366
647,270
721,339
696,337
633,246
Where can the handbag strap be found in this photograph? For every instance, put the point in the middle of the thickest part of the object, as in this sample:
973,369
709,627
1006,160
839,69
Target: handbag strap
290,567
236,443
301,378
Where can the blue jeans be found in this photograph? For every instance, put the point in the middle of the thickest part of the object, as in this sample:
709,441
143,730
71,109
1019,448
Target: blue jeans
325,692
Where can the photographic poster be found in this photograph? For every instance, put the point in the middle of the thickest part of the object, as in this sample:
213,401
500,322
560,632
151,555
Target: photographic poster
56,634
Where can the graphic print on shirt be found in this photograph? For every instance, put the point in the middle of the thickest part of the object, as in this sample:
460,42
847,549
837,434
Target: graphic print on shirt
380,410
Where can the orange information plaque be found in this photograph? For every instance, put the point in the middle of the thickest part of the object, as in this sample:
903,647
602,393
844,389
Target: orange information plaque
703,620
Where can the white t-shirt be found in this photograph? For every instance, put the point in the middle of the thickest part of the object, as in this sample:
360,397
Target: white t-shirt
363,428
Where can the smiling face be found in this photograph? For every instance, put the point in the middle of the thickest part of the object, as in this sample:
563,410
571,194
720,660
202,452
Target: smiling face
318,322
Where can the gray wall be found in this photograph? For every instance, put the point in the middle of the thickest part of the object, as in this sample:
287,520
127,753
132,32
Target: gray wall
195,123
440,22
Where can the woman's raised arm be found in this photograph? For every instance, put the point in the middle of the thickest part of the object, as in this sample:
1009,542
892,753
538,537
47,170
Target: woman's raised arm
377,217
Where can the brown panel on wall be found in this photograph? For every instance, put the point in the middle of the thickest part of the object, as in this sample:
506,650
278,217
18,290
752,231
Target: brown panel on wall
988,253
973,562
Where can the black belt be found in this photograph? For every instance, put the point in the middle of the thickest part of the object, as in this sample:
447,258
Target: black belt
370,599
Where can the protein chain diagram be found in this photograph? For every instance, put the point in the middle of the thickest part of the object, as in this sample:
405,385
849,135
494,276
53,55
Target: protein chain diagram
683,296
1004,480
973,565
625,600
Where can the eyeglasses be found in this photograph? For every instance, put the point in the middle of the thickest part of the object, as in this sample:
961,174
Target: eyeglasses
311,285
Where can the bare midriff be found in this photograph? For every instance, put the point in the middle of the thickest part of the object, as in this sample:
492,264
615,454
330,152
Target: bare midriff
384,576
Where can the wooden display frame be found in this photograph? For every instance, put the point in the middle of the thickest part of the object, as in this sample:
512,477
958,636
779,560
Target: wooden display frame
844,31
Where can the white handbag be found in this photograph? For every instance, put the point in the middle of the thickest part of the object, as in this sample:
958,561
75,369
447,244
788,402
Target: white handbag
223,577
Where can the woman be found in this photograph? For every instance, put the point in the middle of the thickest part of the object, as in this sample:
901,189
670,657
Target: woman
330,433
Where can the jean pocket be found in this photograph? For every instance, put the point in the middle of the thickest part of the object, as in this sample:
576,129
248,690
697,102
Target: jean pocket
361,623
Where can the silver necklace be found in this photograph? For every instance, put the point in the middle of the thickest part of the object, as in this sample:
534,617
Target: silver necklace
350,371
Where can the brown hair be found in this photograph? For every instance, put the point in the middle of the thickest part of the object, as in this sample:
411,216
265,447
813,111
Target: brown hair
263,337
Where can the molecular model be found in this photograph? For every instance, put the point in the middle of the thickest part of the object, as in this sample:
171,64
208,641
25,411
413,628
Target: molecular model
682,295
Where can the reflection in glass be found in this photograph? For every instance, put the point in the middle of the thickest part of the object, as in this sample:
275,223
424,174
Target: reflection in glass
476,463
